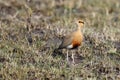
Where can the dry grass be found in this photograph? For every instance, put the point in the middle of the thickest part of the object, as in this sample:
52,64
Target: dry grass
31,29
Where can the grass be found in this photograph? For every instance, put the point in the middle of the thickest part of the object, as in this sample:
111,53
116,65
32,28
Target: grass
30,31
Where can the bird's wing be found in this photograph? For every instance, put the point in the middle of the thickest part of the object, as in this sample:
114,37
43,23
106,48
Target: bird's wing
67,40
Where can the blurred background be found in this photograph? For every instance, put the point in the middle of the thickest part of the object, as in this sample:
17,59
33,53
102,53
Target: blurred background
30,30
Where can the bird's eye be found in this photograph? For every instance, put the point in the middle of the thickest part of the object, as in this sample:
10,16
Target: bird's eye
79,21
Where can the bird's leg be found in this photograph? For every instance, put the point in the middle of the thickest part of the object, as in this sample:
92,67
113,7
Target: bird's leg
73,60
67,56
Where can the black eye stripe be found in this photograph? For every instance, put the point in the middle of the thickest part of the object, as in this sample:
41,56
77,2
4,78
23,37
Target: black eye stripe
81,22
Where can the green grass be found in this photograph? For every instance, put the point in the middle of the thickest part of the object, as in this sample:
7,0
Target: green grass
31,30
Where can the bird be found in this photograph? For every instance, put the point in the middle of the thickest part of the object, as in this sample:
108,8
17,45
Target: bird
73,40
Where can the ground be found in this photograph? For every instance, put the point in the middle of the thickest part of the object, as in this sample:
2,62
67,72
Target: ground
30,30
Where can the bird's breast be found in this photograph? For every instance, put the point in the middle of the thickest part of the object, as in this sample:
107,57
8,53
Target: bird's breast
77,41
76,44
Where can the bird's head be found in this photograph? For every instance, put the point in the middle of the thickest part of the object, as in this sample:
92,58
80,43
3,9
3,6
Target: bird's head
80,23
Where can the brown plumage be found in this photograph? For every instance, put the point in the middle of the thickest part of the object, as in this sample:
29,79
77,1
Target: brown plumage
73,40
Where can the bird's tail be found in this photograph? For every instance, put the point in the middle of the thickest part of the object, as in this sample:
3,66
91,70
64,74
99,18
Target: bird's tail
57,52
54,52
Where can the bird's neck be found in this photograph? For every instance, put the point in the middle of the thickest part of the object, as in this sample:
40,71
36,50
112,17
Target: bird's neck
79,28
